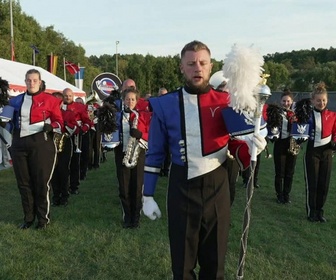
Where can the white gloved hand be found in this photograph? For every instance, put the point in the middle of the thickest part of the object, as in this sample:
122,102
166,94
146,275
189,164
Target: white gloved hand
71,131
150,208
256,139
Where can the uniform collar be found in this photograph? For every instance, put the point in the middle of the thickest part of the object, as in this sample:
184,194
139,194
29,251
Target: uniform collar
197,91
34,93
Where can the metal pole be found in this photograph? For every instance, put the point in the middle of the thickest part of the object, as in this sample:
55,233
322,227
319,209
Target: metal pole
33,56
12,31
64,69
261,97
117,42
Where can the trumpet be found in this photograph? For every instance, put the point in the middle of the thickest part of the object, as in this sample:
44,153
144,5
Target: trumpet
76,140
45,133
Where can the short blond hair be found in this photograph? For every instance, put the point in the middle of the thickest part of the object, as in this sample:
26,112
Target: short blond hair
194,46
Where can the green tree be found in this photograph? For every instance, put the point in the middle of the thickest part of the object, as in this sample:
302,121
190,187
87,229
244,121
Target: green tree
279,75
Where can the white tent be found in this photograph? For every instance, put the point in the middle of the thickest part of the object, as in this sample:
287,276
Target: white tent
14,72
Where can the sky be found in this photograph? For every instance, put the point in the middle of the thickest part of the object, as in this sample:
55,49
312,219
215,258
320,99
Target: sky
163,27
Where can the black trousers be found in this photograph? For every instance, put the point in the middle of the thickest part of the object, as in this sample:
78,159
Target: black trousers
284,164
318,166
95,148
85,155
198,222
233,173
75,163
61,178
130,186
34,159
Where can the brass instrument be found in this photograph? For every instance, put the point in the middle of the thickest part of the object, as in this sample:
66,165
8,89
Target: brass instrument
59,141
93,98
91,112
294,147
76,140
45,133
134,146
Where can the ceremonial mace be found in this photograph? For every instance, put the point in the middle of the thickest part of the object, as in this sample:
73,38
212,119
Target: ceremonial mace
261,96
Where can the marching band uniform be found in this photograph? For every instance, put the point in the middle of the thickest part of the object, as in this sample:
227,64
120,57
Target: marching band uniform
95,138
33,152
60,180
131,179
83,126
318,161
284,161
85,147
198,201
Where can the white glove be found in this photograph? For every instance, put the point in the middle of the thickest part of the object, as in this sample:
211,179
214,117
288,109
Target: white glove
256,139
150,208
71,131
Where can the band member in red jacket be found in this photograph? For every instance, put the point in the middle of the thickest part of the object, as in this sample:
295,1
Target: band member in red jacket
84,124
37,114
60,178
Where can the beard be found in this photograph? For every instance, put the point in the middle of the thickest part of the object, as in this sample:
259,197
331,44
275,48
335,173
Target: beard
196,89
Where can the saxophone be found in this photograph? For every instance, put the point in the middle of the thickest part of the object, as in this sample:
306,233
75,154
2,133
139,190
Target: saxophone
294,147
134,146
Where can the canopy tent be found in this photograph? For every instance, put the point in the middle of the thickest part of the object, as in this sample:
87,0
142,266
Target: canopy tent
14,72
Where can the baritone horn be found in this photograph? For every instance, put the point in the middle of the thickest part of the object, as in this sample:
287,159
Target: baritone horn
93,98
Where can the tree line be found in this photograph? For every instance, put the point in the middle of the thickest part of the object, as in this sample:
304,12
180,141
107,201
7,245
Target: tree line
298,70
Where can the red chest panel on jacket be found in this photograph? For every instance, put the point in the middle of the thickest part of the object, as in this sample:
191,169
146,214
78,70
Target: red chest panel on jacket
213,131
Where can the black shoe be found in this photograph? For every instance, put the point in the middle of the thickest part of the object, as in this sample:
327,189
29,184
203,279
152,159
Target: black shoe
257,186
64,202
26,225
127,225
280,199
41,226
56,203
322,219
135,225
313,219
74,191
286,200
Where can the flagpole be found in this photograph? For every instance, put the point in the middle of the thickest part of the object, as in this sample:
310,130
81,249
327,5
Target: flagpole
117,43
33,56
12,31
51,63
64,68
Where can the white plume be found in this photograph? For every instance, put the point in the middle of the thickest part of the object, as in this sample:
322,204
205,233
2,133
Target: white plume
243,69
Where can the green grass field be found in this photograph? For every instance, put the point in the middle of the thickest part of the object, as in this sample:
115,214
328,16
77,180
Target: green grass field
86,241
